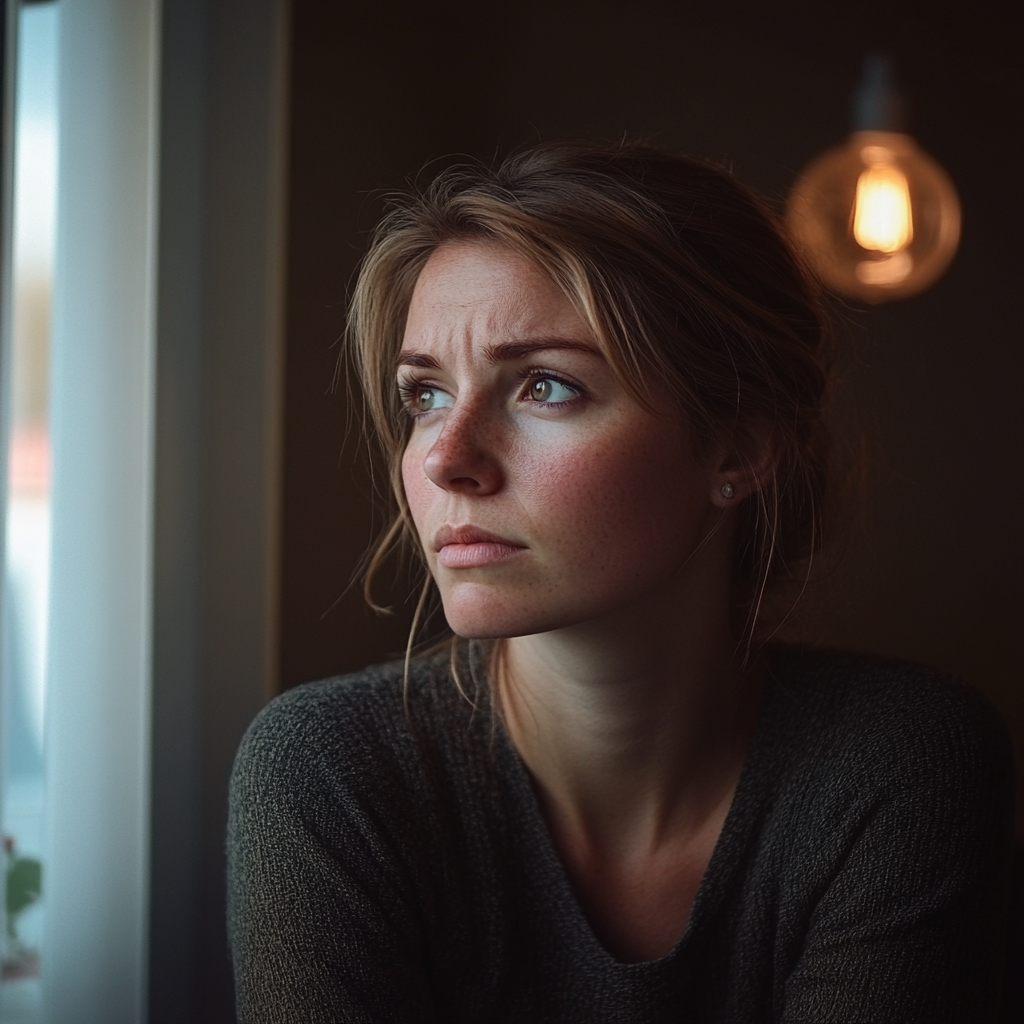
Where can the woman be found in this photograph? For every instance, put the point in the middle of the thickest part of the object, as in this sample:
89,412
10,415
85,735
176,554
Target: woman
599,375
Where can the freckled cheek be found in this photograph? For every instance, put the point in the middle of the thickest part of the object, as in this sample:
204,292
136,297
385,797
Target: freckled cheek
585,497
418,488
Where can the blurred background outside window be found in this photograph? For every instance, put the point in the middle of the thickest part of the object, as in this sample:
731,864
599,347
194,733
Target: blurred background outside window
25,597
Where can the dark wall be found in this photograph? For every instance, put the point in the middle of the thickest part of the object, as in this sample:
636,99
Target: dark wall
934,573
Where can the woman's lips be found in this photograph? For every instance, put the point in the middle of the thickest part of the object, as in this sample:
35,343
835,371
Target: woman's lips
466,547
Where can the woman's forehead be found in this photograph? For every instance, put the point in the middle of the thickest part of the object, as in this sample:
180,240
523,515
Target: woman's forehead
487,294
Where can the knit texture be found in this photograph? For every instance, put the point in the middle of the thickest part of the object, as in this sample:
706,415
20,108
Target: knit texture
391,864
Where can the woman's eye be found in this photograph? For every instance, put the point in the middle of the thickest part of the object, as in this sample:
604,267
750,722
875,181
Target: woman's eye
547,389
422,399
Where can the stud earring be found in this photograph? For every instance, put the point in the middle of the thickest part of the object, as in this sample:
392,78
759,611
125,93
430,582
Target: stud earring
727,490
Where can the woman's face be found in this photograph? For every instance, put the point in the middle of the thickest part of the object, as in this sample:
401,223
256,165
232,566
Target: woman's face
544,495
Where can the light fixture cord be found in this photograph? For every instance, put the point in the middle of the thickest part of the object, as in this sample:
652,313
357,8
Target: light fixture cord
878,105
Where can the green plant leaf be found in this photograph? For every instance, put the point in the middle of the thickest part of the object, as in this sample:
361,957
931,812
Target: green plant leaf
24,884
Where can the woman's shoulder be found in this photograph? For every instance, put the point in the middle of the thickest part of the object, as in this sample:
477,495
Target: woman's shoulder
315,710
841,681
883,714
367,761
379,713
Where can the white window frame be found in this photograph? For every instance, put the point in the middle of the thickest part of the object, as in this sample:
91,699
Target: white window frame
103,355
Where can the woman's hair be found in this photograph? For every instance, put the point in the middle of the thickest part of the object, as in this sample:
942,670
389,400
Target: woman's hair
684,276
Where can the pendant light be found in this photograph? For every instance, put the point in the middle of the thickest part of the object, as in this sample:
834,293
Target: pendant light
878,218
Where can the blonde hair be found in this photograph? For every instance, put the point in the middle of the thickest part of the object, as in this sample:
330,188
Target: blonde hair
683,275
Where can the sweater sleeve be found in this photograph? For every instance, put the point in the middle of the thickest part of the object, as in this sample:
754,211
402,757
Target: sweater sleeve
320,908
910,922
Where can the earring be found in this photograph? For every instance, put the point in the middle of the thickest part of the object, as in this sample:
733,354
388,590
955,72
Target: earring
727,490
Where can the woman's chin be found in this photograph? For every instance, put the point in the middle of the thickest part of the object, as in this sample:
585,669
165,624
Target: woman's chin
483,627
489,620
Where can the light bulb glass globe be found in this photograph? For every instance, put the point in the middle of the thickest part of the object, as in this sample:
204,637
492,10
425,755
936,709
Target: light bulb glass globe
878,218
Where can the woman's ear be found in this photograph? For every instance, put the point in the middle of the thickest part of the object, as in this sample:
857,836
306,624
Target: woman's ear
744,463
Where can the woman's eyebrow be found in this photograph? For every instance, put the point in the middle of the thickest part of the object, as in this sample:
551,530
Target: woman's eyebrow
510,351
503,352
417,359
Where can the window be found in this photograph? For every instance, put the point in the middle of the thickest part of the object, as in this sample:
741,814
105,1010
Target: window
161,431
24,604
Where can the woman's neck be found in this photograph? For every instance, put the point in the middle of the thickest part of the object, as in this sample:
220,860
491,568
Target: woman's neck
634,728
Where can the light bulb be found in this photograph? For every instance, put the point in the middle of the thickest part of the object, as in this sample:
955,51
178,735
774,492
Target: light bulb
878,218
882,216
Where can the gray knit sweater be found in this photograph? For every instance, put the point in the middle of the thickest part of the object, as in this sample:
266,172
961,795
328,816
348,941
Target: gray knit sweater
387,865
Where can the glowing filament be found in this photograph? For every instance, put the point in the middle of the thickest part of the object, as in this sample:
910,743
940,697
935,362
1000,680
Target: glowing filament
881,213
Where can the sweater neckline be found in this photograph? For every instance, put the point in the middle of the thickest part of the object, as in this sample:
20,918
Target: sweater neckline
740,822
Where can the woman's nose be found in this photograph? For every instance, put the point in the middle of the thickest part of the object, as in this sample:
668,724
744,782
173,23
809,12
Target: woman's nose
463,458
